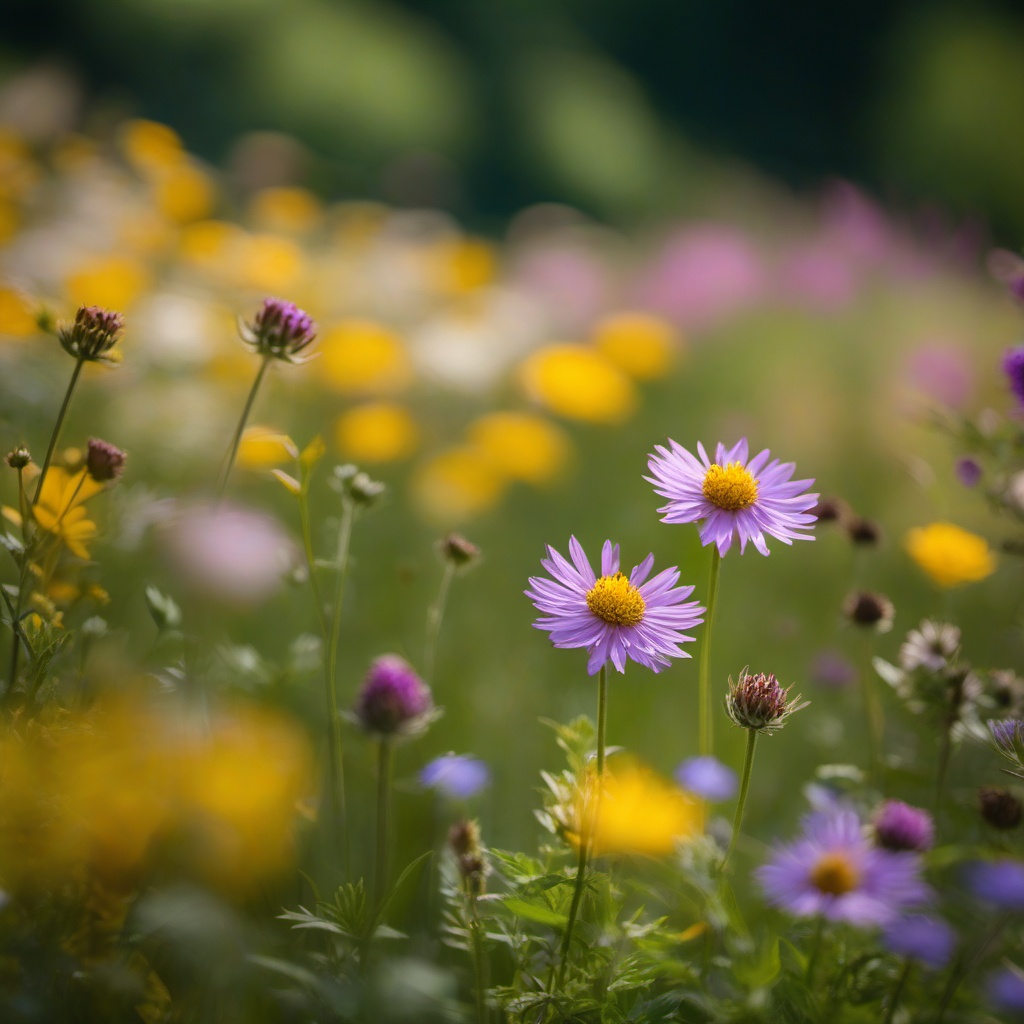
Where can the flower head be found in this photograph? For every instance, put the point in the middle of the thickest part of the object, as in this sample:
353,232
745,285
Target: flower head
708,778
999,807
456,776
103,461
1005,989
898,826
832,870
920,937
613,615
758,702
949,554
1013,367
92,334
869,610
280,330
393,699
931,646
60,508
736,498
1000,882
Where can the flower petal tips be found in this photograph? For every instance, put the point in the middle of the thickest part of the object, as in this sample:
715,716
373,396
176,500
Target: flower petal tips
614,616
734,497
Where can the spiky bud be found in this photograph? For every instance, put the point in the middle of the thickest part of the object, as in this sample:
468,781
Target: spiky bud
92,334
104,461
280,330
759,702
18,458
898,826
869,610
458,551
393,699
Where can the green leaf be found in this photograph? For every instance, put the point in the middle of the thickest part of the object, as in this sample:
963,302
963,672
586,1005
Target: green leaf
163,610
536,912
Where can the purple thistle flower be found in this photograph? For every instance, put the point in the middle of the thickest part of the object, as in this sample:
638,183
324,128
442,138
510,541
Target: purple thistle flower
736,498
1008,734
1000,882
898,826
92,334
1013,367
758,702
1005,989
104,461
393,699
614,616
707,778
919,937
456,776
280,330
833,871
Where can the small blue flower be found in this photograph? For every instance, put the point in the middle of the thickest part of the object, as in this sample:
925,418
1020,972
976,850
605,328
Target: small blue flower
919,937
456,776
708,778
1005,989
1000,882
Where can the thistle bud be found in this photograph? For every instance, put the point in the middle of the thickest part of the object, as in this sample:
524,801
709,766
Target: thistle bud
898,826
464,842
758,702
999,807
18,458
872,611
280,330
828,510
458,551
393,699
92,334
864,532
104,462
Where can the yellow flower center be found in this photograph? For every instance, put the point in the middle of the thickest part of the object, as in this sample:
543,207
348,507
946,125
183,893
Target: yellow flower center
731,487
834,874
616,600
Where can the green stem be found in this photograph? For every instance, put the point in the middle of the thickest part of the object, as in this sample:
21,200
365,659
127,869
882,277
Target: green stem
602,717
875,716
812,960
434,617
577,895
55,436
229,462
479,962
706,745
385,763
737,822
945,752
961,969
894,999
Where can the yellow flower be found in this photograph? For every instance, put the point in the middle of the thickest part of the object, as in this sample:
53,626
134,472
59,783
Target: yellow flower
112,282
360,356
271,263
150,146
638,812
456,484
264,448
60,510
376,432
521,445
287,210
16,318
949,554
184,193
578,382
637,343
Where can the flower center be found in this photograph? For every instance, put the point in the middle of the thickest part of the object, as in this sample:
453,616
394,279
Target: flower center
731,487
834,874
616,600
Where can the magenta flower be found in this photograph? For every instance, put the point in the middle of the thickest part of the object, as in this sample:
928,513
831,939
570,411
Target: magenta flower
393,699
898,826
833,870
735,498
614,616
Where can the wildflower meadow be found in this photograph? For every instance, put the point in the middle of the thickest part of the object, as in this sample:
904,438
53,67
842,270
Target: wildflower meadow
567,624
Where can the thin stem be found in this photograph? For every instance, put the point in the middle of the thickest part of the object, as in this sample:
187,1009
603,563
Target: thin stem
479,962
602,718
812,960
706,745
229,462
874,714
961,969
385,762
737,821
577,894
945,752
894,999
58,425
434,617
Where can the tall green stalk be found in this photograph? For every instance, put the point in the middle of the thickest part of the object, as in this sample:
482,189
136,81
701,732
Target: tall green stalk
385,767
434,617
737,822
706,724
236,440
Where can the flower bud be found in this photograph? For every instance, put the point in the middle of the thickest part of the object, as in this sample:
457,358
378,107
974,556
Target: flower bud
861,531
872,611
393,699
18,458
280,330
103,461
898,826
828,510
458,551
999,807
92,334
758,702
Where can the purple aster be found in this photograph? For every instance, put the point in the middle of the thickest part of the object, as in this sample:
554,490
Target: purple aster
708,778
1000,882
832,870
1005,989
1013,367
456,776
919,937
898,826
736,498
393,699
614,616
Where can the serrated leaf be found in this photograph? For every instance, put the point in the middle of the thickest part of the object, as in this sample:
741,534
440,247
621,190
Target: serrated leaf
536,912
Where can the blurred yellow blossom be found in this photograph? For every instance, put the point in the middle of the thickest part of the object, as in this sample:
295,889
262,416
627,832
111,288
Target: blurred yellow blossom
112,282
16,317
949,554
361,356
286,210
60,511
18,169
270,263
521,445
639,344
639,811
184,193
208,243
150,146
8,221
578,382
464,265
376,432
264,448
456,484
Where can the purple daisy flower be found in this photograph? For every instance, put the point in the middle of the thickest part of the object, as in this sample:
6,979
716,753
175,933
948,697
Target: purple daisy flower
999,882
1005,989
614,616
736,498
919,937
707,777
456,776
832,870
